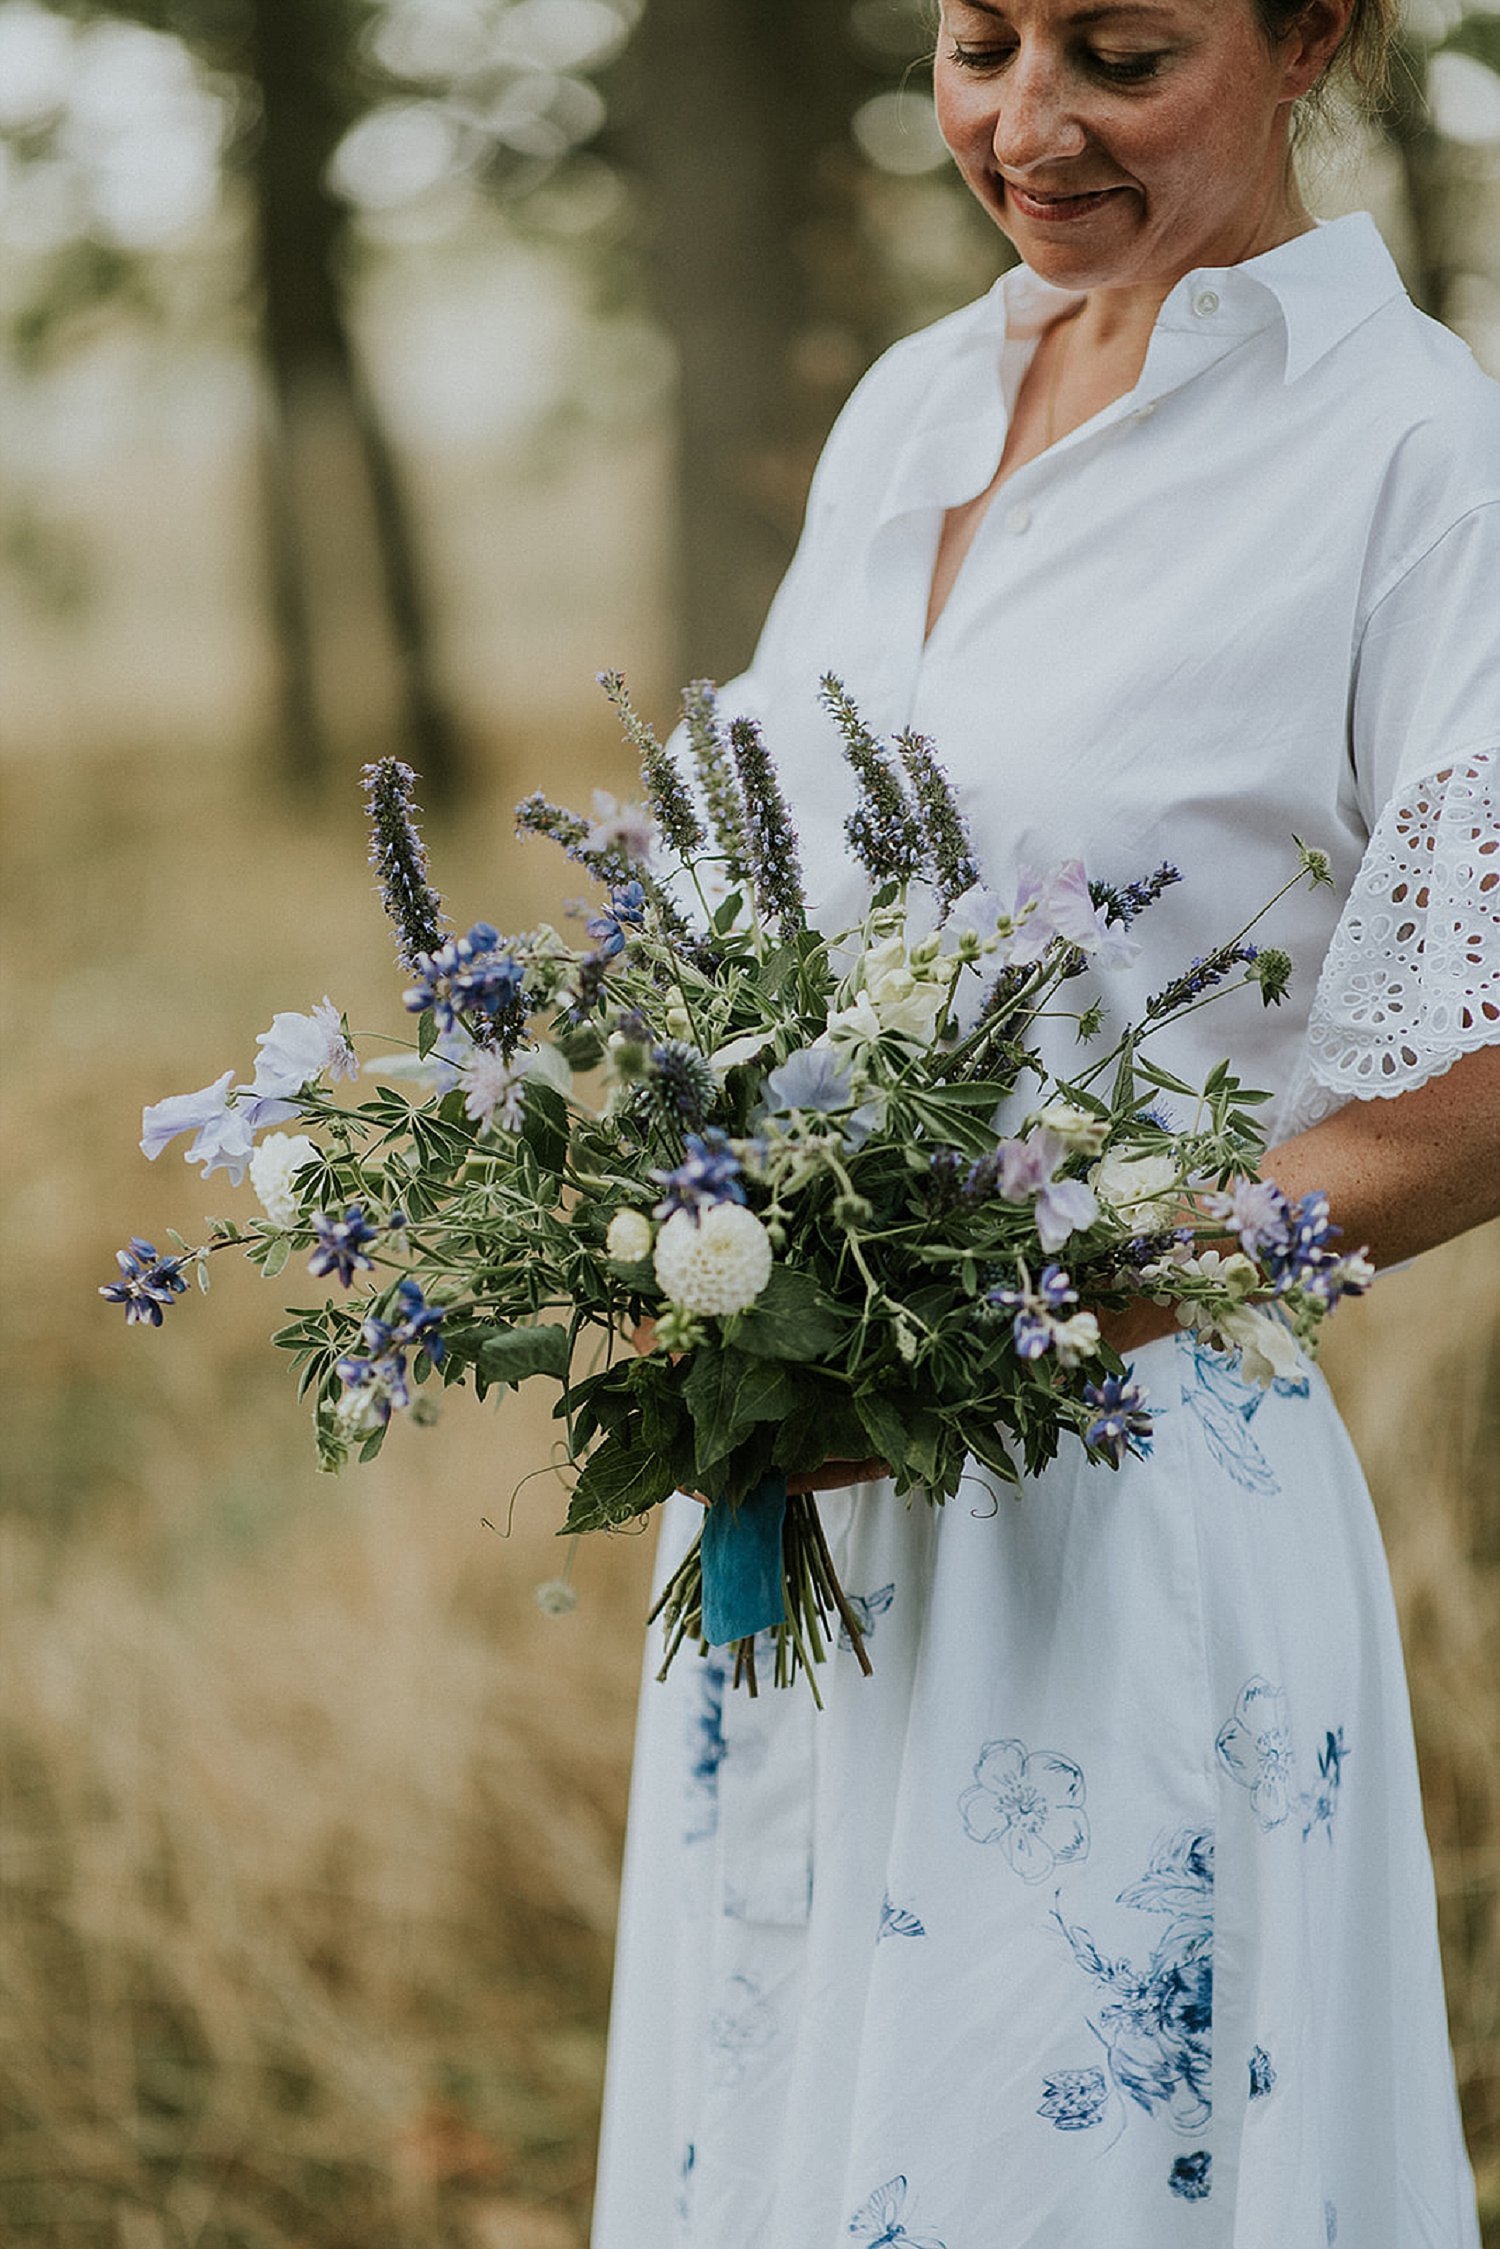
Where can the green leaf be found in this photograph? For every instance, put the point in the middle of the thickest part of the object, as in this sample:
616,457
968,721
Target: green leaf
727,1393
725,916
790,1319
544,1126
275,1257
620,1480
427,1032
510,1354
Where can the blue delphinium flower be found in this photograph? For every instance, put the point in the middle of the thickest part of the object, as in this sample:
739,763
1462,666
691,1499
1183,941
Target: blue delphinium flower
341,1244
466,976
626,910
1190,2175
148,1283
1123,1423
711,1174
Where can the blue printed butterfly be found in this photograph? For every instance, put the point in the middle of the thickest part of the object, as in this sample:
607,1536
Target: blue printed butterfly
879,2221
867,1607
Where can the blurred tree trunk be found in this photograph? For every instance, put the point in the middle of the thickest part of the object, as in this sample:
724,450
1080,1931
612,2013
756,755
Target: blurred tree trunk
739,122
299,57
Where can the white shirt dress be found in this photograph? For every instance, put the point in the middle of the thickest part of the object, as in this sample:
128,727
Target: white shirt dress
1101,1916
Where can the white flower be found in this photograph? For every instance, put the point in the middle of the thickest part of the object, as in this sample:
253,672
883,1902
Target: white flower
273,1167
1267,1346
714,1264
625,828
357,1413
856,1026
1144,1189
1075,1339
629,1237
905,1003
299,1048
1075,1128
492,1090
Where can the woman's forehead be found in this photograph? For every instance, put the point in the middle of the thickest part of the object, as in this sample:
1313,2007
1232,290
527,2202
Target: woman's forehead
1081,12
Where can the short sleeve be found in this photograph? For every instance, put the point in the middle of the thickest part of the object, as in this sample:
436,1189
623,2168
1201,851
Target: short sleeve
1411,980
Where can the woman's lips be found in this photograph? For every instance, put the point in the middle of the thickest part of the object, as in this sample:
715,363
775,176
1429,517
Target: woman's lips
1058,209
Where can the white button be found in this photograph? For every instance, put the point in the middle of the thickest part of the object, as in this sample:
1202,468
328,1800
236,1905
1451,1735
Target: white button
1206,303
1017,520
1144,413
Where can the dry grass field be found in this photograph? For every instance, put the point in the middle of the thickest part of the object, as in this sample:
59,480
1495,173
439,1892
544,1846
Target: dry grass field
311,1819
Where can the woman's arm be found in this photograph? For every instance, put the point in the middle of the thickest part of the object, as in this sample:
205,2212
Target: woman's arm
1400,1175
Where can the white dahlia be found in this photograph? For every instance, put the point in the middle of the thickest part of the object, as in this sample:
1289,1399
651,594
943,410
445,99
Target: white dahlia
273,1166
629,1237
714,1264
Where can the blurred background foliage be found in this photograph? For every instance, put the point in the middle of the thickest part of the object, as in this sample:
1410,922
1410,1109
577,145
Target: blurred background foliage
375,372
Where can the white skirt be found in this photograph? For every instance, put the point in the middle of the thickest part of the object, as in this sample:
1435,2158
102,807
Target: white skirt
1100,1917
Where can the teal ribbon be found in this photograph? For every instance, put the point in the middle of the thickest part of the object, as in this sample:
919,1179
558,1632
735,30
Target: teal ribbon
741,1554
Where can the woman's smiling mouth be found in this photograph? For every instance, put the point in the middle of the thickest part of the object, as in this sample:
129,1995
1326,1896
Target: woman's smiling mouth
1055,208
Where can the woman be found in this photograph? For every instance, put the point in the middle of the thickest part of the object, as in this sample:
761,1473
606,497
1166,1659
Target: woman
1101,1916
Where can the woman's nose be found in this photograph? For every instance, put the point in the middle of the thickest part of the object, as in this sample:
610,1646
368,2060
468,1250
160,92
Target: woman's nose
1035,121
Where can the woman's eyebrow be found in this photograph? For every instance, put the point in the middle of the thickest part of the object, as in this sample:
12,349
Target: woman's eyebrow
1107,10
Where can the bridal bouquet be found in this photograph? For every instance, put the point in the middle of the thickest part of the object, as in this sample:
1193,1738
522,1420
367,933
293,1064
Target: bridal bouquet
738,1186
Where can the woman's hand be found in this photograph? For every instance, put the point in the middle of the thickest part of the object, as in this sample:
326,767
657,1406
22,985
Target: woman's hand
831,1477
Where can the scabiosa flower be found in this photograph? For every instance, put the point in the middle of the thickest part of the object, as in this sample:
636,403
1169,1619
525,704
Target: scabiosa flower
682,1080
711,1175
775,867
492,1090
950,855
716,779
629,1237
299,1048
665,789
147,1285
273,1169
341,1244
1122,1423
626,910
714,1263
467,976
399,858
882,830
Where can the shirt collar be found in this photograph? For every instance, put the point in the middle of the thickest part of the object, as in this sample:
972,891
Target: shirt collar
1322,285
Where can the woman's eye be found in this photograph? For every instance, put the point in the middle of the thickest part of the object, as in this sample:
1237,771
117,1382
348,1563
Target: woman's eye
1126,70
978,58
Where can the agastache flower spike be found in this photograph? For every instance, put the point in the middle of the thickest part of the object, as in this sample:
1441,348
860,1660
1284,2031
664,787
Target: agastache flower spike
882,832
776,869
949,851
1133,898
1207,971
716,778
148,1285
665,789
399,858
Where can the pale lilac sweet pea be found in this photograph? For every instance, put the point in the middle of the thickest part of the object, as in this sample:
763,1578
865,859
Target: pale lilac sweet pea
1063,1206
976,912
222,1126
299,1048
1059,905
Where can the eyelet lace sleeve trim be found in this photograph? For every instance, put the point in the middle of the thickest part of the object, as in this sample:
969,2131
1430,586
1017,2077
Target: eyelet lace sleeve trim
1412,977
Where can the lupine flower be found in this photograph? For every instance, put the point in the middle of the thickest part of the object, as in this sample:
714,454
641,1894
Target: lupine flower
273,1169
626,911
147,1285
775,868
399,858
1122,1423
712,1174
299,1048
1035,1324
682,1080
669,798
716,779
341,1244
950,855
882,830
467,976
379,1375
715,1263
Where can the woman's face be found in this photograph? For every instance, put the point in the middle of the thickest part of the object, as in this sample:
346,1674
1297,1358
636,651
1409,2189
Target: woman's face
1123,142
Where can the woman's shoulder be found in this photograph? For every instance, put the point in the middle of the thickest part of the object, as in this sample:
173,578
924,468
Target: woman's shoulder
903,375
1439,408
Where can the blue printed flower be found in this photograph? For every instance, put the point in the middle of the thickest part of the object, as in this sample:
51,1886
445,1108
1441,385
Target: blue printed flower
1262,2074
1255,1749
1029,1803
1189,2175
1074,2099
148,1283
